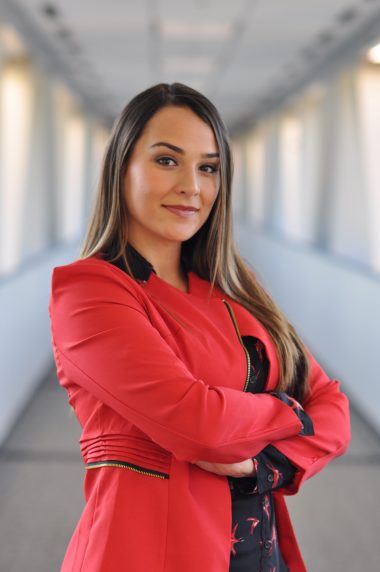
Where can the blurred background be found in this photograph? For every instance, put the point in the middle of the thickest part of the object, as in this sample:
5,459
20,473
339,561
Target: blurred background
298,84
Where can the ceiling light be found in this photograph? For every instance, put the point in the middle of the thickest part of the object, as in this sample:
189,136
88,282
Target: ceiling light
373,54
50,10
189,30
348,15
187,65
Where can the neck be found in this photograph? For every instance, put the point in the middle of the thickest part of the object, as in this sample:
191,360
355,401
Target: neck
165,259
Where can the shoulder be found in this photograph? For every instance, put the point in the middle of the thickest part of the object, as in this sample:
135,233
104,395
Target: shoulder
92,278
91,267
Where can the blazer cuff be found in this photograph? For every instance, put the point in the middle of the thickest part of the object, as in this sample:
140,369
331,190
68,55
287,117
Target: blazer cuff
273,471
307,424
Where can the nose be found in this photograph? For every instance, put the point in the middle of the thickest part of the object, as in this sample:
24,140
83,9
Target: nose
189,181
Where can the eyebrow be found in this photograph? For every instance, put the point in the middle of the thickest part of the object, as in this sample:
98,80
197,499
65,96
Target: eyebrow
182,151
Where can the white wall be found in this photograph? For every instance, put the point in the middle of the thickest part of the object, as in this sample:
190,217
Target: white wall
334,306
25,347
50,148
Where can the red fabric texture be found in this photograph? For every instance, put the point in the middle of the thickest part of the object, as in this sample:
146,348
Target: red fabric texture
155,377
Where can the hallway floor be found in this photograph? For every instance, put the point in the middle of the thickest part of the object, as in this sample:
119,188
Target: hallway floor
336,514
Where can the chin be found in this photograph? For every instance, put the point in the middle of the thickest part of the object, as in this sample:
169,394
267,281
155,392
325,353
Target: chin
181,236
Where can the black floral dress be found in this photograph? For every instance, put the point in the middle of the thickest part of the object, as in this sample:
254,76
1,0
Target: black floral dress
254,543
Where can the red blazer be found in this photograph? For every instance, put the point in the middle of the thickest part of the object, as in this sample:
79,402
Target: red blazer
156,376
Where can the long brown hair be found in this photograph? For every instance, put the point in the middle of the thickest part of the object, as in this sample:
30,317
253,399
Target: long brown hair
212,251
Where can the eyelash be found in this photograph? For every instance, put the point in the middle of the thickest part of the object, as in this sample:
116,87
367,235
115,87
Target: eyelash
215,168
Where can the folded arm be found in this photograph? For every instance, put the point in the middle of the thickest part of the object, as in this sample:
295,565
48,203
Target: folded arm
288,462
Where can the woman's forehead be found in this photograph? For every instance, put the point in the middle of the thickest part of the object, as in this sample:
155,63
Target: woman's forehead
181,127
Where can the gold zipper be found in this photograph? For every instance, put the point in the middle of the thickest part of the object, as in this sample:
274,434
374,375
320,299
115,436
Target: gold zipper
247,356
125,465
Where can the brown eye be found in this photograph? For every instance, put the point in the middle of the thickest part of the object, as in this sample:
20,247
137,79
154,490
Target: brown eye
210,168
165,161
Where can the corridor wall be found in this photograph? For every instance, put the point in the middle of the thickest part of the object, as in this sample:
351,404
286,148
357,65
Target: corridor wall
50,152
312,219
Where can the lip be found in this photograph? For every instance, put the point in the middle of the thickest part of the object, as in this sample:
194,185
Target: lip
182,210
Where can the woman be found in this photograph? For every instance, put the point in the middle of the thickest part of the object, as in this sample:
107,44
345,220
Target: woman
199,403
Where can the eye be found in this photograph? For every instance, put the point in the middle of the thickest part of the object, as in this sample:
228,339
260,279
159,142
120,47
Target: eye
210,168
165,161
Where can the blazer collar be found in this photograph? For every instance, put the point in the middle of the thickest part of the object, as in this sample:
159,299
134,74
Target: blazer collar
141,267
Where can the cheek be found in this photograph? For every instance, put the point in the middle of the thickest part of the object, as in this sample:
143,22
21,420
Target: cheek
134,180
136,191
212,196
208,205
144,183
138,204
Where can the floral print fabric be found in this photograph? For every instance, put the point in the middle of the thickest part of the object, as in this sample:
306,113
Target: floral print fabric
254,542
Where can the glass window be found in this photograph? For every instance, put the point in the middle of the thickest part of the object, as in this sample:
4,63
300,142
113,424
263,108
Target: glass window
255,150
16,106
368,86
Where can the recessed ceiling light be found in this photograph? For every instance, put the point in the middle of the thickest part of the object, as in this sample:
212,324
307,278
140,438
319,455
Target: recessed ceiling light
348,15
188,65
189,30
50,10
373,54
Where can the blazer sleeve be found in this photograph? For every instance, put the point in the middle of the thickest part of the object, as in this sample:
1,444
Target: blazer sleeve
328,409
104,341
273,471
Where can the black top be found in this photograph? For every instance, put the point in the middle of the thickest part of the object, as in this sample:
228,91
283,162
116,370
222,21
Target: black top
254,543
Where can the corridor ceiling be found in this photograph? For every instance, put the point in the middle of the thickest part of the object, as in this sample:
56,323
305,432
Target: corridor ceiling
240,53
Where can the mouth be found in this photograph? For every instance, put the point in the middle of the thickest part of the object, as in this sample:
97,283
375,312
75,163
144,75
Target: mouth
182,210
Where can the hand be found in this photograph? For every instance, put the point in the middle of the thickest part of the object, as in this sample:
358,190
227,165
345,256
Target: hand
242,469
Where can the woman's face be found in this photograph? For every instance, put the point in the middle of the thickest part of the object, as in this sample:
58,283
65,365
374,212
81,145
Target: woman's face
172,178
